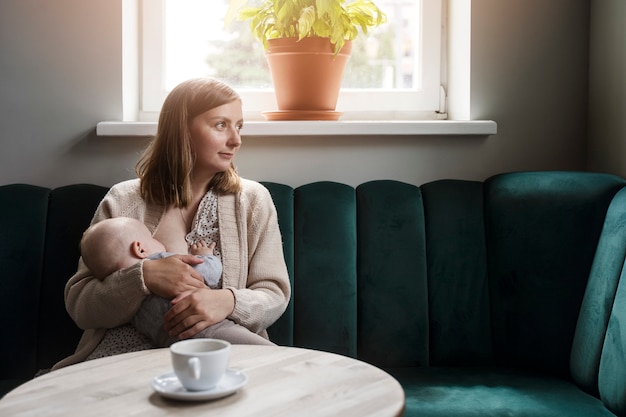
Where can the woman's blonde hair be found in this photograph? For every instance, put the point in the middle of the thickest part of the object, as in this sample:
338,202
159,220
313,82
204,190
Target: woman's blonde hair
166,166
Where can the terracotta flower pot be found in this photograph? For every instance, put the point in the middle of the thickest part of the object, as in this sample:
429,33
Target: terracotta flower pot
306,74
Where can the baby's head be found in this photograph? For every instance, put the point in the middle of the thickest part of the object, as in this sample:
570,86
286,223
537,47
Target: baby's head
116,243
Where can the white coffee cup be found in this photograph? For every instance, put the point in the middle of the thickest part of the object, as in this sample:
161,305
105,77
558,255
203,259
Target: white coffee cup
199,364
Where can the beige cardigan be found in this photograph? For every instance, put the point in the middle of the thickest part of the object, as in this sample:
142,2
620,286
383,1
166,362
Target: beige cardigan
253,266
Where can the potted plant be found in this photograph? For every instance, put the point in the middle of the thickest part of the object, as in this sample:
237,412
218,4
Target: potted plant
307,45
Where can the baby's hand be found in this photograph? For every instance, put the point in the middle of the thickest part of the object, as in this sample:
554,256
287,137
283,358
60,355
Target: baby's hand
201,248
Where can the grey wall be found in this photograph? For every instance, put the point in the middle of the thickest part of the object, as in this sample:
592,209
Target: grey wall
607,98
60,73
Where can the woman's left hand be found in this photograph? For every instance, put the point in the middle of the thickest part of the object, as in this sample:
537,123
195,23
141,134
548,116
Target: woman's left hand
195,310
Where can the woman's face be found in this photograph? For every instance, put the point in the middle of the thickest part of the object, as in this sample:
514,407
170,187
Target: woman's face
215,138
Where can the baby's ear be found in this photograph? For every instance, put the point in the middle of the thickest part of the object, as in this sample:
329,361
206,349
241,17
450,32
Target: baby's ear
138,251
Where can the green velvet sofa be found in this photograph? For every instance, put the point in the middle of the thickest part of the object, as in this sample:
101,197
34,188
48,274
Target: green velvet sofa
494,298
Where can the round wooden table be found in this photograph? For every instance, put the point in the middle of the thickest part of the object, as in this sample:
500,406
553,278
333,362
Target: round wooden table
282,381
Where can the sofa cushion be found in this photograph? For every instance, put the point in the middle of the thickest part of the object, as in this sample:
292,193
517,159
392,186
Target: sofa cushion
492,392
599,297
70,212
392,288
281,332
605,305
612,374
325,259
23,225
542,232
458,286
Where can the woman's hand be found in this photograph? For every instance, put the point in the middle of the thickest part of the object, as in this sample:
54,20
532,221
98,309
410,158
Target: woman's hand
195,310
172,276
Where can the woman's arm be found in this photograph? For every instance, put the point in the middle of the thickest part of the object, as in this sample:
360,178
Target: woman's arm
265,295
108,303
94,303
113,301
196,310
256,282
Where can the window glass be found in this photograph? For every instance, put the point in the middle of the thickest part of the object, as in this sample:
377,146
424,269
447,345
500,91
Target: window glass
396,65
198,43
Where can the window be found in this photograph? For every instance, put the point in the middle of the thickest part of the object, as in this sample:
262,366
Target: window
393,73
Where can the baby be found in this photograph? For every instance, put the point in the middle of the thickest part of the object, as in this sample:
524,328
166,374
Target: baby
121,242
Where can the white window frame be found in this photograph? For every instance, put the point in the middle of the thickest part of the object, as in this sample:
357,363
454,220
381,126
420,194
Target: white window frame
426,103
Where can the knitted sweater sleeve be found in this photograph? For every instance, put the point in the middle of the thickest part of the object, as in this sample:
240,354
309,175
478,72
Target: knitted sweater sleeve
113,301
254,265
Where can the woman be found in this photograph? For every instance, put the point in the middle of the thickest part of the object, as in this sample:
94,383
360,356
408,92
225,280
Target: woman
187,190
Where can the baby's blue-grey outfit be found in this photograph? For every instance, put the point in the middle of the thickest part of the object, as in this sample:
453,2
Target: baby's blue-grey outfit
149,318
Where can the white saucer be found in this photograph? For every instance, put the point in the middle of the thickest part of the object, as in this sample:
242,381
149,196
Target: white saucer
169,386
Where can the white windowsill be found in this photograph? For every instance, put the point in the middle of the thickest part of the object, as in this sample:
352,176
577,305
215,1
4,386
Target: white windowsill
325,128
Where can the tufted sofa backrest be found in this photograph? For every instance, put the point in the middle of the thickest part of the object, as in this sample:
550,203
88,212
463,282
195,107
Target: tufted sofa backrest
449,273
452,273
599,348
39,234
